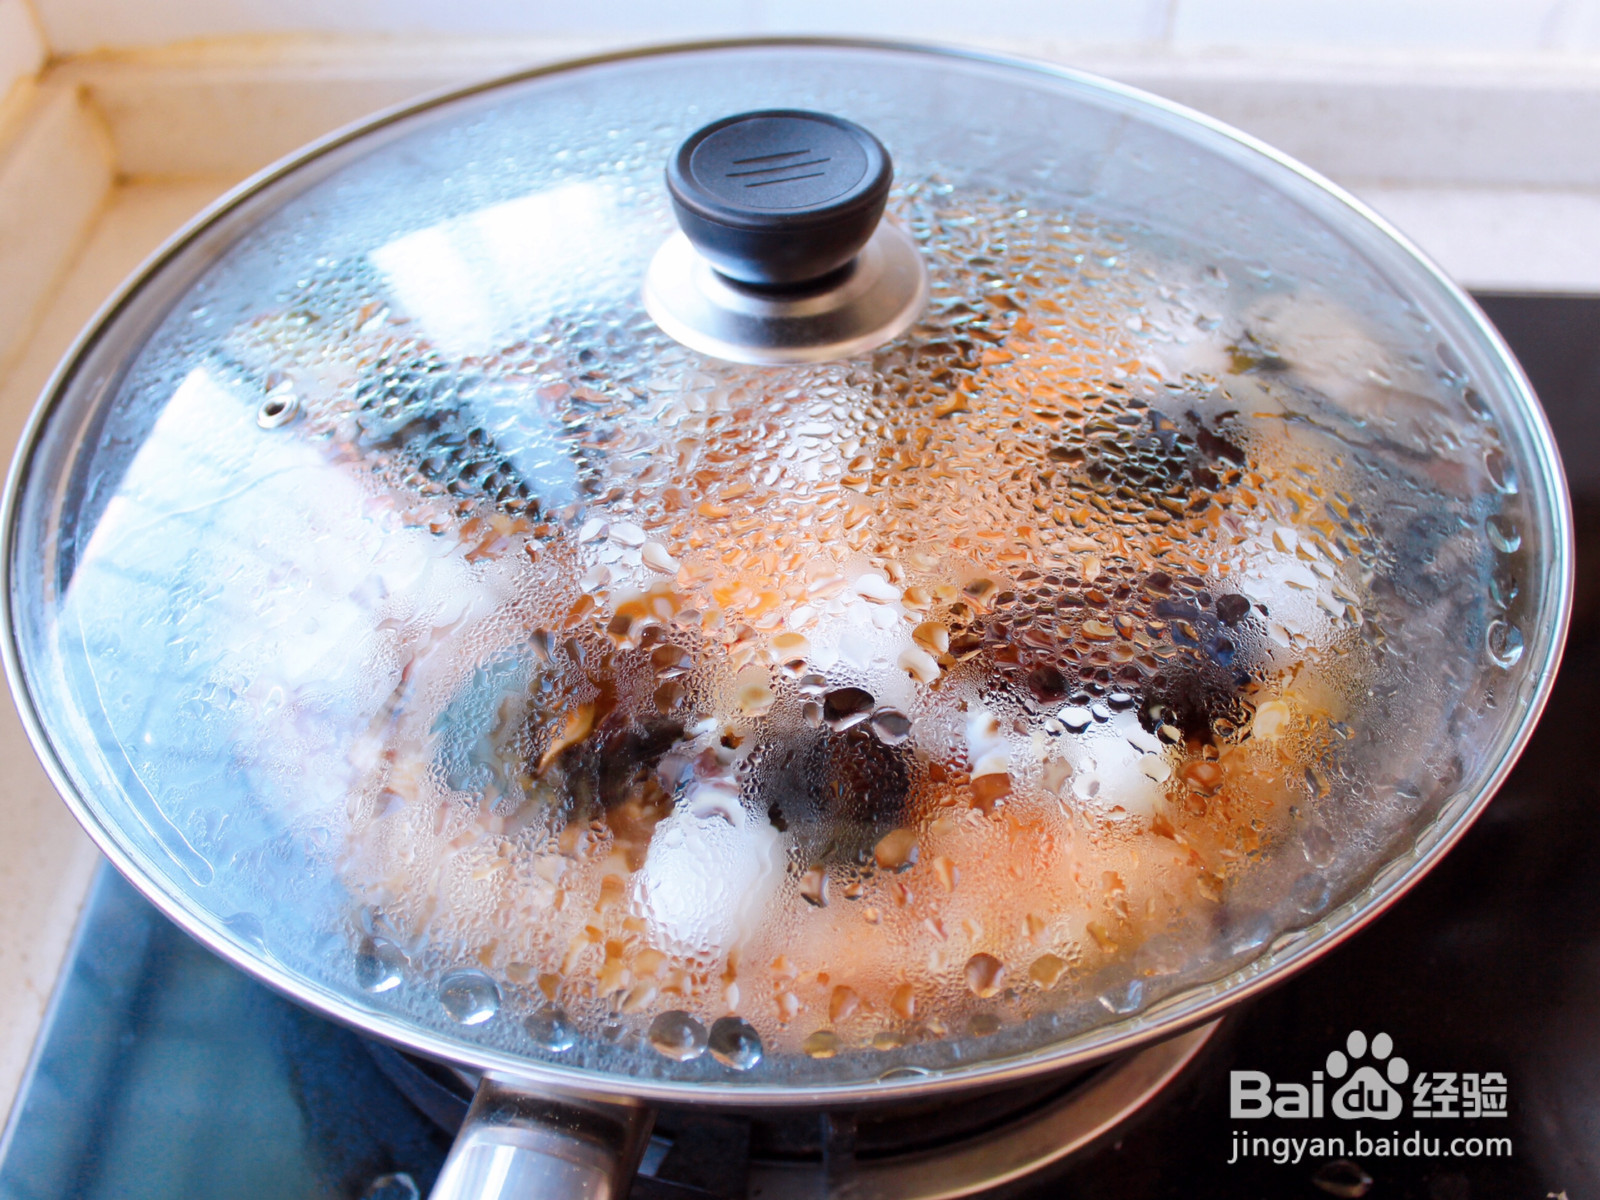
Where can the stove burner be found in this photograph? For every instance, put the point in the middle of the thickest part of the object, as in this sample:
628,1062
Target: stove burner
921,1150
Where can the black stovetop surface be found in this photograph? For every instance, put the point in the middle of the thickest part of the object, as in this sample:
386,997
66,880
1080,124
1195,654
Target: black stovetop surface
164,1073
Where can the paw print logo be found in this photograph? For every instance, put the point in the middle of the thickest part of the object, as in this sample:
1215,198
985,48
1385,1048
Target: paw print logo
1367,1093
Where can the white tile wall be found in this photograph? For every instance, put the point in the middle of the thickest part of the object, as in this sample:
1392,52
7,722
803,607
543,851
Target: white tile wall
75,26
1475,26
53,178
1574,27
1080,21
1490,26
21,48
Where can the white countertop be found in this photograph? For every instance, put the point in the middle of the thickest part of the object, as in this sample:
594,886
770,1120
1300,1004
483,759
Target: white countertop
49,860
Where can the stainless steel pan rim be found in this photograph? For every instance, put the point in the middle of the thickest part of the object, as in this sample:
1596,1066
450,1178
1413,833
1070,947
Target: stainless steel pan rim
1165,1019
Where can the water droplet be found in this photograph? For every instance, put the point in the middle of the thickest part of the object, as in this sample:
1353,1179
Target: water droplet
735,1043
1311,893
1343,1178
824,1043
669,661
469,996
1232,609
678,1036
891,726
1503,535
894,1042
1248,932
549,1029
1317,844
247,927
1047,969
1501,472
984,973
1075,719
844,707
1047,683
1125,998
984,1025
380,965
398,1186
814,887
1505,643
896,849
1503,591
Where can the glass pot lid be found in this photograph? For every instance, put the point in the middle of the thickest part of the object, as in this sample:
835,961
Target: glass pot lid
440,639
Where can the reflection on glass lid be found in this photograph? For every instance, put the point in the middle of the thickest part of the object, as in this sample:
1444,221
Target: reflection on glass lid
527,674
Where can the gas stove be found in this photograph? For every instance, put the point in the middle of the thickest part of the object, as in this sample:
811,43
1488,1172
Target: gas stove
1450,1050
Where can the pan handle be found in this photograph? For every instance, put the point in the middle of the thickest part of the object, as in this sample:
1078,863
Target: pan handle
520,1142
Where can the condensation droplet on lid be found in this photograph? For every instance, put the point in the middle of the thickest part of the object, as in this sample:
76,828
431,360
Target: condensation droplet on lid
814,887
626,533
891,726
549,1029
1248,932
656,556
1501,472
734,1043
755,699
1503,535
1505,643
896,849
1125,998
845,707
1503,591
380,965
678,1036
396,1186
1047,969
1075,719
824,1043
469,996
1450,360
984,973
247,927
1311,893
1317,844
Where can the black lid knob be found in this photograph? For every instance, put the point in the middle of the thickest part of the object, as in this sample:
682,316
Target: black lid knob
779,198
